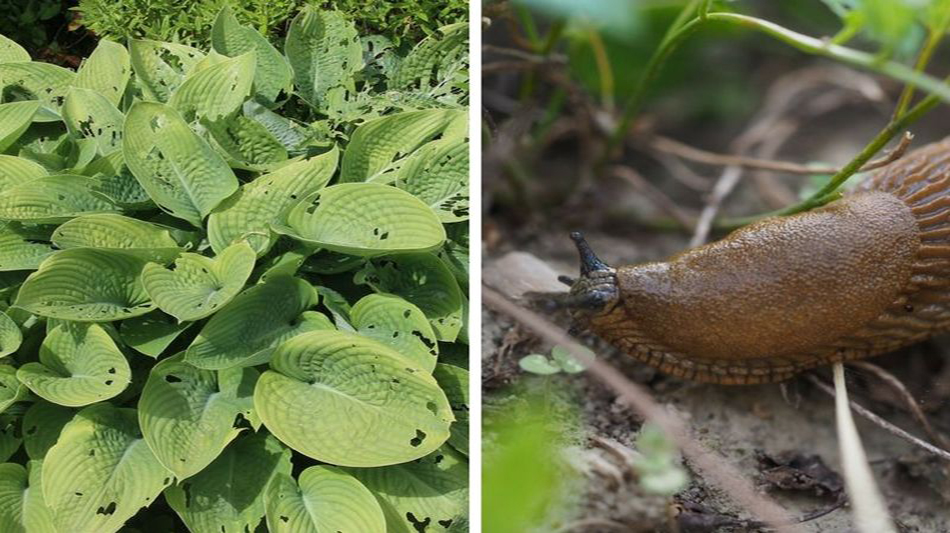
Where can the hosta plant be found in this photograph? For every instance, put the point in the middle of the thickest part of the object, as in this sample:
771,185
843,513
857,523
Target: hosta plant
219,318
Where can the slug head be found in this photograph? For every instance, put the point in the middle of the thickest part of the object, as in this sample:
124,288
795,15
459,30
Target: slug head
595,291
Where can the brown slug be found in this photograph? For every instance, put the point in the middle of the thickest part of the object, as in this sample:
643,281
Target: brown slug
861,276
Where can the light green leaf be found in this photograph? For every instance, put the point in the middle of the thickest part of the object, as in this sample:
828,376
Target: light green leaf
89,115
87,285
324,51
538,364
186,414
348,400
437,174
100,472
431,60
10,335
566,361
398,323
11,390
291,134
454,381
161,67
116,181
106,71
53,199
180,171
151,334
22,509
42,424
16,170
272,73
79,365
364,219
216,91
23,247
246,331
247,143
116,233
249,213
32,80
327,499
10,435
228,495
11,52
197,286
15,118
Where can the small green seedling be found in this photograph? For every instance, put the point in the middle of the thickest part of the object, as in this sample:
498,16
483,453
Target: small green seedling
658,463
560,361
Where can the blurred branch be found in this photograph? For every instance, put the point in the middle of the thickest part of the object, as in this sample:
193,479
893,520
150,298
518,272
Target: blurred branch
658,197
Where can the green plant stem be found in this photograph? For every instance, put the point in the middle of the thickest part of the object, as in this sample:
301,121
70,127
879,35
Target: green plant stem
542,49
604,71
930,45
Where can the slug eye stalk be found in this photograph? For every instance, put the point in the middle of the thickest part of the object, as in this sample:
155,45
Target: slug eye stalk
596,290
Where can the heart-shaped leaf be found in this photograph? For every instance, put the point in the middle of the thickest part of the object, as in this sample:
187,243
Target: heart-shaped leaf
117,233
398,323
327,499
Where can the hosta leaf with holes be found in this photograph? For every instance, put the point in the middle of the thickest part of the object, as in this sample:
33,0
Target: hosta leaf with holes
161,67
53,199
327,499
348,400
247,143
10,335
364,219
15,118
454,381
180,171
42,424
106,71
22,508
292,135
186,414
100,472
381,145
245,332
117,233
249,213
11,52
151,334
11,390
88,285
324,51
10,435
216,91
430,493
398,323
197,286
272,74
79,365
228,495
23,247
16,170
89,115
434,57
32,80
424,280
437,174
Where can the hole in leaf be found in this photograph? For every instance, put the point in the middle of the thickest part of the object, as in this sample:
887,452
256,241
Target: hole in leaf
107,510
172,378
417,440
418,525
432,407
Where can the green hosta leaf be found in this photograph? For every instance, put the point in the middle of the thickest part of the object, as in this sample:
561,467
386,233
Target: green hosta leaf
247,143
11,390
116,233
398,323
23,247
42,424
10,435
106,71
16,170
430,493
248,214
88,285
539,364
228,495
151,334
10,335
434,57
272,74
89,115
324,51
197,286
246,331
424,280
116,181
22,508
216,91
327,499
292,135
15,118
454,381
186,413
160,67
100,472
327,262
455,252
381,145
437,174
44,82
53,199
180,171
79,365
364,219
348,400
11,52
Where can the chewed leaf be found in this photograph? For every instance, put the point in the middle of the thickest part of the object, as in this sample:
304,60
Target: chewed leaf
437,174
327,499
106,71
89,115
86,285
364,219
53,199
216,91
10,335
11,52
246,331
161,67
247,143
16,170
100,472
398,323
186,413
23,247
79,365
454,381
15,118
42,424
11,390
344,399
272,74
324,51
198,286
248,214
180,171
118,233
151,334
31,80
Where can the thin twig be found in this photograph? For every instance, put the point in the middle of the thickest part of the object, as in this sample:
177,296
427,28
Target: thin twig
724,185
658,197
712,467
526,56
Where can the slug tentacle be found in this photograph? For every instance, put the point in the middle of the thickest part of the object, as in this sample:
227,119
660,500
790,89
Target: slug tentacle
596,290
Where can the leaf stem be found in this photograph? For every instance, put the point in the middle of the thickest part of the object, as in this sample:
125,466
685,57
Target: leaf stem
933,39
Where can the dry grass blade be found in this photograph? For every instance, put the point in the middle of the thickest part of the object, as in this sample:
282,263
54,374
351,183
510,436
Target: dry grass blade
658,197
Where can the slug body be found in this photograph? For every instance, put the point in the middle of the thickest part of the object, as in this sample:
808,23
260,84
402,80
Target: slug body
861,276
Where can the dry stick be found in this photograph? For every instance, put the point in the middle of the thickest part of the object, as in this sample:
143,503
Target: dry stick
655,195
884,424
708,465
724,185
